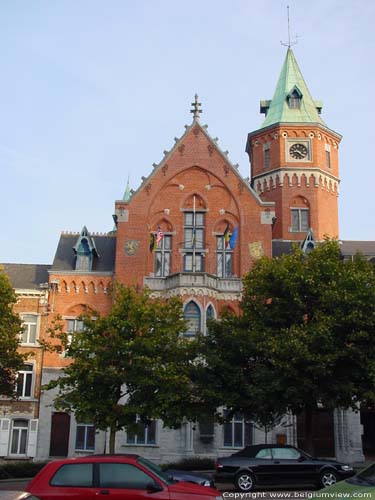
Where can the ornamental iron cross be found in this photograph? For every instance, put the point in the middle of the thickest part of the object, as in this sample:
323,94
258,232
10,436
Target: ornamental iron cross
196,106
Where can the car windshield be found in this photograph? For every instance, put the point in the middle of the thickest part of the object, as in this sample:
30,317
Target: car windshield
155,469
365,476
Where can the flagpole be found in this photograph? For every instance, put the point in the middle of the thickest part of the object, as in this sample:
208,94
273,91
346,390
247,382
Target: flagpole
194,235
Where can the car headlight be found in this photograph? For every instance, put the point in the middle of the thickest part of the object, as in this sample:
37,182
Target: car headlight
206,483
219,498
346,467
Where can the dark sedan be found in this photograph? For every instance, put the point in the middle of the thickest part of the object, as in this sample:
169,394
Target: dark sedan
277,465
190,477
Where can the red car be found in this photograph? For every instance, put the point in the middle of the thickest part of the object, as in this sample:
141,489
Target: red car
116,477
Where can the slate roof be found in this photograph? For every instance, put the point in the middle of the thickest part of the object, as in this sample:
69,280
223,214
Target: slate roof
278,110
347,247
27,276
65,257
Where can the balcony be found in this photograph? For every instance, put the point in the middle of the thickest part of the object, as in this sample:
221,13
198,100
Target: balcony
196,280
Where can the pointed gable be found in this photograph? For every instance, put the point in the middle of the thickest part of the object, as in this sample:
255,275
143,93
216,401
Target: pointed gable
85,251
292,101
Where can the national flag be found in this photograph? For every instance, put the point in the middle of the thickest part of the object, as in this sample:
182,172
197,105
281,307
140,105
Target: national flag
159,236
152,242
226,236
233,238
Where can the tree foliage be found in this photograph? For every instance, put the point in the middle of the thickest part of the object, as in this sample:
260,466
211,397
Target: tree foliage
132,362
304,338
10,326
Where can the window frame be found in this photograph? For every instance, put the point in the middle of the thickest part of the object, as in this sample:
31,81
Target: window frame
247,431
87,428
146,431
194,225
299,211
28,324
165,255
198,317
223,252
20,429
25,374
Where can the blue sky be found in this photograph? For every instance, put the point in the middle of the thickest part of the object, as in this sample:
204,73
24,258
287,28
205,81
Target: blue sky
92,91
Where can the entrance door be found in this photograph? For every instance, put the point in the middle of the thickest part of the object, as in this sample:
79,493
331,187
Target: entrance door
59,442
323,432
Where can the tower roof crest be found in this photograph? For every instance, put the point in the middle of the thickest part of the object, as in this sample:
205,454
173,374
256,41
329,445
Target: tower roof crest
292,101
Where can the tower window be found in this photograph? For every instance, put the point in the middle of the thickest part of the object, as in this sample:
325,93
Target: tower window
299,219
328,155
267,155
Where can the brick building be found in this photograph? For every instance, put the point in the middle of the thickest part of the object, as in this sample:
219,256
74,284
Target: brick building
211,225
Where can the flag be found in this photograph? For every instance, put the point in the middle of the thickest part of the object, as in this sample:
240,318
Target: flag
233,238
152,242
159,236
226,236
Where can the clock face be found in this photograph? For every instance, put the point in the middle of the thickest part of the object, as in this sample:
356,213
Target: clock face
298,151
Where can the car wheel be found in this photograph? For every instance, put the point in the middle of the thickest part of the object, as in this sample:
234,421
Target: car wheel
244,481
327,478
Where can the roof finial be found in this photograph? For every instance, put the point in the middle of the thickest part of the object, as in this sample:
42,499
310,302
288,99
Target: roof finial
126,196
290,43
196,105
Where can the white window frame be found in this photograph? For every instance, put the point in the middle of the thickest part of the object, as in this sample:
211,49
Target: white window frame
28,324
21,431
145,434
26,375
300,229
232,423
86,430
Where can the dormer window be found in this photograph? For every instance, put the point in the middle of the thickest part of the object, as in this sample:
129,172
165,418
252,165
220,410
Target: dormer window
83,262
294,99
85,251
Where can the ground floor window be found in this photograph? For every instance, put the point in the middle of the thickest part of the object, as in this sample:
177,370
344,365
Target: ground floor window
144,434
85,437
19,437
237,432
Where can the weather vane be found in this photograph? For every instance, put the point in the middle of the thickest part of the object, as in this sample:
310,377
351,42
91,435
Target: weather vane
290,43
196,105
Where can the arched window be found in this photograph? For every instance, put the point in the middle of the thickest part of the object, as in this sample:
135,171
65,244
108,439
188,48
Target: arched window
210,314
299,215
193,315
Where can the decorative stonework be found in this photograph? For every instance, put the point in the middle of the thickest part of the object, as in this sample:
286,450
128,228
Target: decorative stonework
148,188
226,170
210,149
320,179
164,169
181,149
131,247
256,250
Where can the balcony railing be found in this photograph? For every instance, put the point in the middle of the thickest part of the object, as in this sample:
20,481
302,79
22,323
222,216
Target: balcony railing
183,280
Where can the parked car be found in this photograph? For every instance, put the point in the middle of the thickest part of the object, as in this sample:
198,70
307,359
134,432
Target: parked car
114,476
362,485
276,465
190,477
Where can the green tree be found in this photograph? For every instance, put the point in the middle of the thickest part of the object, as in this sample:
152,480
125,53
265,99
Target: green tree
10,326
304,338
131,363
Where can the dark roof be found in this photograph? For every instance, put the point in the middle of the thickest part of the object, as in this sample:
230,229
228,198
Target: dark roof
27,276
65,257
347,247
279,247
366,248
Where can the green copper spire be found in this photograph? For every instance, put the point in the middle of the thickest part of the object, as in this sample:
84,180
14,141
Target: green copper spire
292,101
127,192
